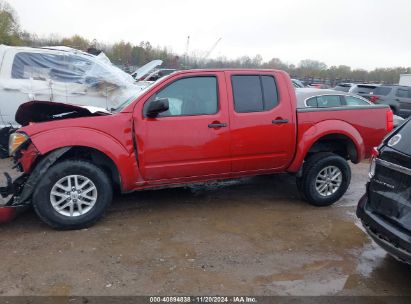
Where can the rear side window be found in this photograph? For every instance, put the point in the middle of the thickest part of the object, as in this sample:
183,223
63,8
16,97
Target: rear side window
254,93
402,93
329,101
312,102
354,101
326,101
382,91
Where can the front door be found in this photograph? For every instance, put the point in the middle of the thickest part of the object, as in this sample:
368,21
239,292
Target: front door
262,122
191,139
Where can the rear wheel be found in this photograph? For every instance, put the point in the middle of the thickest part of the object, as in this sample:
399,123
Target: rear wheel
326,177
72,195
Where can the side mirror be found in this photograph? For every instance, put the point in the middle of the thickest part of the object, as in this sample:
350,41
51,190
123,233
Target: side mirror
156,107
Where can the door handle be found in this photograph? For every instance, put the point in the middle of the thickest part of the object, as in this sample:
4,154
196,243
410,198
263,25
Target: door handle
217,125
280,121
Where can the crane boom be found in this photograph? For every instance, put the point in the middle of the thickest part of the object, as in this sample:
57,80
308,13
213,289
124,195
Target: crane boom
212,48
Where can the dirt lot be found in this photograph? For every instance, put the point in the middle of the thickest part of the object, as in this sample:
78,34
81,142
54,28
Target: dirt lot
248,237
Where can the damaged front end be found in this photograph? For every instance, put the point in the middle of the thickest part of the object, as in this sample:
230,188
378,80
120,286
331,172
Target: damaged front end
27,165
22,175
14,176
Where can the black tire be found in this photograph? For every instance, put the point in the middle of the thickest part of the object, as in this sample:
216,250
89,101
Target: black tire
312,168
42,201
394,110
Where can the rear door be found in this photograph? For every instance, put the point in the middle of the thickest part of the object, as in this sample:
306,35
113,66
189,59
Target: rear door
262,121
191,139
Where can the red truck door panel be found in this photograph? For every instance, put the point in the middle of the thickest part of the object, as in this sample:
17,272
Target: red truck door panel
192,137
262,121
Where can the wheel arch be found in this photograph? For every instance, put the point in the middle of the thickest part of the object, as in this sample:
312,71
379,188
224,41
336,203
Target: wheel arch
118,158
97,158
334,136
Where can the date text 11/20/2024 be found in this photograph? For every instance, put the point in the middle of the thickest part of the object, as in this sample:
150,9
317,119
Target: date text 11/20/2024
203,299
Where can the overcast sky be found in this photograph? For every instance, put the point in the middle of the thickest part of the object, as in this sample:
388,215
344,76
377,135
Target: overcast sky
360,33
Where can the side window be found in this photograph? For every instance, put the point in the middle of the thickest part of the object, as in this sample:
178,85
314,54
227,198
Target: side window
312,102
329,101
353,101
190,96
57,67
254,93
402,93
31,65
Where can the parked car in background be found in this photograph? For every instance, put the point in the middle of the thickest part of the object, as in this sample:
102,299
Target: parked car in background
297,83
385,210
319,86
317,98
191,126
156,75
343,87
363,90
397,97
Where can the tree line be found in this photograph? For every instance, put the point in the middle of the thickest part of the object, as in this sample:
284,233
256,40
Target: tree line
129,56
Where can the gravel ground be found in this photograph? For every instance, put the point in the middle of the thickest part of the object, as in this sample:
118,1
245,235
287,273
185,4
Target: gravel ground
253,236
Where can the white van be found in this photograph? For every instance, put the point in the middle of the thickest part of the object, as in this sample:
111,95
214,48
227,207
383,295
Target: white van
59,74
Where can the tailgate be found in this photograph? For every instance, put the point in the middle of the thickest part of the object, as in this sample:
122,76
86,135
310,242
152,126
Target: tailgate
390,194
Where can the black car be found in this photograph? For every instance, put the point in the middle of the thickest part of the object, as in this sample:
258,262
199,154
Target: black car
385,210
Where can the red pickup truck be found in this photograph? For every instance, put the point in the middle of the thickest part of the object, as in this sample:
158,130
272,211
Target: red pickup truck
192,126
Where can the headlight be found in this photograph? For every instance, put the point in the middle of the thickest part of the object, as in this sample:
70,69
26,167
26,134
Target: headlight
15,141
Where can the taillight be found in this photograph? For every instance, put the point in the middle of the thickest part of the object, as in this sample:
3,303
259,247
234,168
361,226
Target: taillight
374,99
374,154
390,121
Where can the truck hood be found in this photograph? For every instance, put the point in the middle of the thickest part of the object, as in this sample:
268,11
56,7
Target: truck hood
42,111
145,69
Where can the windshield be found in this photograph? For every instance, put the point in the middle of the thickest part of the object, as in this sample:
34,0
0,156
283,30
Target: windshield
363,89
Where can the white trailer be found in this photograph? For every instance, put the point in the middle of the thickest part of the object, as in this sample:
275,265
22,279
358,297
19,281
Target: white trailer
405,80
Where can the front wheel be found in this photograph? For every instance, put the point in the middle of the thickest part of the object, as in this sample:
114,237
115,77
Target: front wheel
326,177
72,194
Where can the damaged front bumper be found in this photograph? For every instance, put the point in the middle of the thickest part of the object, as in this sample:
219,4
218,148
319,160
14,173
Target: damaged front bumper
20,180
12,183
11,186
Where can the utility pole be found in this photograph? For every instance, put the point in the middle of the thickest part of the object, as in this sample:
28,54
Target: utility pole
186,52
